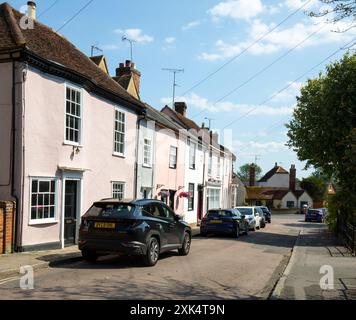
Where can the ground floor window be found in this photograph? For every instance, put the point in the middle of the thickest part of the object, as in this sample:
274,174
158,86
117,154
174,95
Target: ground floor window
43,199
118,190
213,198
290,204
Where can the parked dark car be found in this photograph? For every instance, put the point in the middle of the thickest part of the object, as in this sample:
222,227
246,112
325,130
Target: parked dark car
142,227
224,221
314,215
267,214
262,217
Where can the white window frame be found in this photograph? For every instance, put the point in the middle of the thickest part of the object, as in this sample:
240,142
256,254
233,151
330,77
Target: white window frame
171,155
192,155
210,163
149,163
123,189
218,175
80,134
116,153
53,220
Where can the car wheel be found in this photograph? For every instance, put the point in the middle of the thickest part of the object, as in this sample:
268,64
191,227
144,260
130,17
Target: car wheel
236,233
89,256
184,251
246,231
152,254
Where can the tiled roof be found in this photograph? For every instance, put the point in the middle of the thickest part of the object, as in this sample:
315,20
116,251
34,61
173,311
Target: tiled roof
184,121
269,193
272,172
53,47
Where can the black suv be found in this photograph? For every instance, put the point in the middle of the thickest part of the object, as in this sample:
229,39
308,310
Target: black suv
141,227
267,214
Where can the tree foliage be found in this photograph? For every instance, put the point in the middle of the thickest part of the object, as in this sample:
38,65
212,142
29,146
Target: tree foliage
337,10
315,186
323,128
244,172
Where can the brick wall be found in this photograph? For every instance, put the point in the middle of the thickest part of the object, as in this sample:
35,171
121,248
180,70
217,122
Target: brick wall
6,220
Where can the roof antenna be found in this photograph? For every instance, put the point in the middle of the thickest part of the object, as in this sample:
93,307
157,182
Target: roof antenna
95,48
174,71
131,41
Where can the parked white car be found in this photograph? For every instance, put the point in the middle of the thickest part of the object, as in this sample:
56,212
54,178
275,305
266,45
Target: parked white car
253,217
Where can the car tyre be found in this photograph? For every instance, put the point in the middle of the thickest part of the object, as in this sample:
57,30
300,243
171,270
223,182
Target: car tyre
152,254
89,256
184,251
246,231
236,233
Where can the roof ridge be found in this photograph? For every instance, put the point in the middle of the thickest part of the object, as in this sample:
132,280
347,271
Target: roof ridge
14,28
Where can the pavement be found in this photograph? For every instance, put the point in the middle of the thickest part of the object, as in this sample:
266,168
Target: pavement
317,255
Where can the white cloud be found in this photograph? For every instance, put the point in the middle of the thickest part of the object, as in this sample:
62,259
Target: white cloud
170,40
279,39
296,4
136,35
237,9
247,148
191,25
202,103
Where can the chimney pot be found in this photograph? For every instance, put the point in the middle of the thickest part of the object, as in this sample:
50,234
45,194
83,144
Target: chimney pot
128,63
31,10
181,107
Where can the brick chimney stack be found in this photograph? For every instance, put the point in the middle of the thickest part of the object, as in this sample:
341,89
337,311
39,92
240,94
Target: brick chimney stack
126,70
181,107
252,173
292,178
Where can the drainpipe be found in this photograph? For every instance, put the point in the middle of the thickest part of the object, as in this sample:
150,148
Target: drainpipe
139,119
13,130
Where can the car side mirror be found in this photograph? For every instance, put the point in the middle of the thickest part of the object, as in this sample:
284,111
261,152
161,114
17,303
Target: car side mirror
177,217
243,216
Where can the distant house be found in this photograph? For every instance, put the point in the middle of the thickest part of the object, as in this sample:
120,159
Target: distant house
277,189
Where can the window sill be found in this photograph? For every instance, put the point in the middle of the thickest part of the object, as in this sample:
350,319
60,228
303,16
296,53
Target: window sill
173,168
73,144
119,155
147,166
42,222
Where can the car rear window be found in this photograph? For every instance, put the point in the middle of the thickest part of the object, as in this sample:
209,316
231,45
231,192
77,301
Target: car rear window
245,211
220,213
110,210
313,211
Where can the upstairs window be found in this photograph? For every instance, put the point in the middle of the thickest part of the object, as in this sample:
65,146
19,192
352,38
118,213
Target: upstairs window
147,152
210,163
173,157
119,132
192,155
73,130
219,168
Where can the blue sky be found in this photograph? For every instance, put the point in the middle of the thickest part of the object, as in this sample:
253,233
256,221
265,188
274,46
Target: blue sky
199,37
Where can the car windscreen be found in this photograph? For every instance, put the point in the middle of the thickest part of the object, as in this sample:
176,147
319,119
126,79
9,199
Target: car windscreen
265,210
219,213
110,210
245,211
314,212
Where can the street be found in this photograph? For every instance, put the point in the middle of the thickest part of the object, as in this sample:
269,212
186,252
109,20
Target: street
217,268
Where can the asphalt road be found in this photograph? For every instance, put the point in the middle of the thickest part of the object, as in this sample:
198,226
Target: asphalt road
216,268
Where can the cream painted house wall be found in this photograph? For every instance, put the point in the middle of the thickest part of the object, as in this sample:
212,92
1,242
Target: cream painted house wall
46,152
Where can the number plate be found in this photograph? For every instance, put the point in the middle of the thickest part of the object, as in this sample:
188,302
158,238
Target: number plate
215,221
104,225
